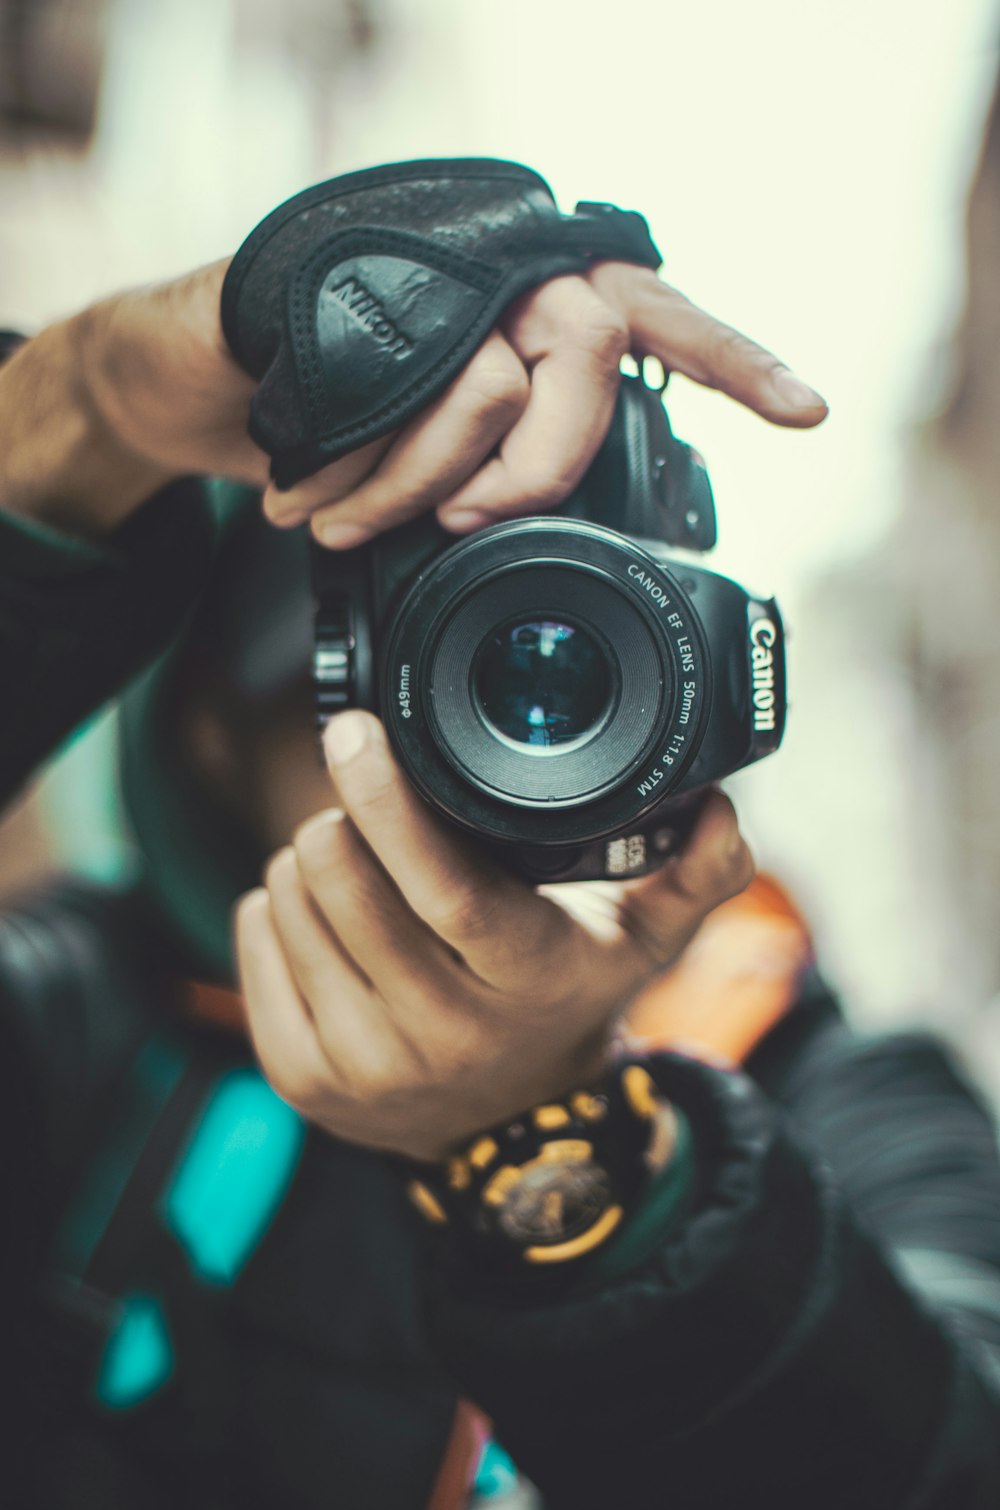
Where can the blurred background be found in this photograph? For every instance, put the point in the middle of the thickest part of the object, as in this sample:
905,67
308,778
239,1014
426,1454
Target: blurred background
827,178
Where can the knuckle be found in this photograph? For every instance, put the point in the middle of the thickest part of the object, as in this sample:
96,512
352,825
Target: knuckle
377,1081
545,491
464,911
249,907
378,793
743,871
497,381
730,874
309,1094
314,843
605,334
293,1083
730,348
251,911
281,870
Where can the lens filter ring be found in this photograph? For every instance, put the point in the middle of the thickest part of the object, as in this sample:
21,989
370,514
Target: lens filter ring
635,670
623,751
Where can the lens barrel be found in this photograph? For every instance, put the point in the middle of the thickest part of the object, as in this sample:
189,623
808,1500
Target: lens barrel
545,681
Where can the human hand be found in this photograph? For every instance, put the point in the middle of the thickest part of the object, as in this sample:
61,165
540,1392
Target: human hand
515,432
101,410
404,992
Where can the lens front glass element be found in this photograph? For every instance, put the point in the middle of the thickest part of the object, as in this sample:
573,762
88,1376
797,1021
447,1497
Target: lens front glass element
542,683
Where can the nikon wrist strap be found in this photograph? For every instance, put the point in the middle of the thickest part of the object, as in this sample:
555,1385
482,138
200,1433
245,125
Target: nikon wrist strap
358,301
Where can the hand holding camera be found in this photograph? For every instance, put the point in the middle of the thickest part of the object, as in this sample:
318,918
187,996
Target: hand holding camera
403,991
101,409
546,684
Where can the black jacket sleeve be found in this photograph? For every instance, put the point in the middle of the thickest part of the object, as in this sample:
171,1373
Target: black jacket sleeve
78,620
785,1347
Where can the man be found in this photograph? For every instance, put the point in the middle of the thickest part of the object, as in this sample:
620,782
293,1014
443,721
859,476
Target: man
266,1320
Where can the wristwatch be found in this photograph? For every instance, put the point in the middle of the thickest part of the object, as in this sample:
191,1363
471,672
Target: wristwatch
553,1185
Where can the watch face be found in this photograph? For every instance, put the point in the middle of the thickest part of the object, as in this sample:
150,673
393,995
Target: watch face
554,1198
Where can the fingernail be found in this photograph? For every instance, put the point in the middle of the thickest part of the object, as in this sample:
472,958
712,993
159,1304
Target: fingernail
463,521
287,521
794,393
346,736
344,537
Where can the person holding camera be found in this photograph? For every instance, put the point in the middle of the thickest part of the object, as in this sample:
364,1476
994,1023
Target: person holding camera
660,1278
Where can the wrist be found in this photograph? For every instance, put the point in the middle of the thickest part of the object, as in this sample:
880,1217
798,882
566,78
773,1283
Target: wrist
547,1190
63,465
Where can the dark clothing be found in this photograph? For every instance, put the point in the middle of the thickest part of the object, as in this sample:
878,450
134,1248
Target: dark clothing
822,1330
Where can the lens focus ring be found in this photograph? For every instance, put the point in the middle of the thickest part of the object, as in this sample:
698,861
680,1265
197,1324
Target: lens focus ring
333,662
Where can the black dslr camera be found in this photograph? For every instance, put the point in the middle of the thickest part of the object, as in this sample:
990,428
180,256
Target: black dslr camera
561,686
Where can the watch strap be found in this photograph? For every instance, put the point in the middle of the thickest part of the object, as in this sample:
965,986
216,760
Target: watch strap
553,1185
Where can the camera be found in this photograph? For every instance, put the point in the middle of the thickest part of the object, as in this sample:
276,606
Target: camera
562,686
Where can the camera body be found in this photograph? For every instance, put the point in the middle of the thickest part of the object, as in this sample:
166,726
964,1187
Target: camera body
562,686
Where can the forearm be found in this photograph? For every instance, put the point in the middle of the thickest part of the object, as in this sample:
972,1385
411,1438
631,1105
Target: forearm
61,463
91,586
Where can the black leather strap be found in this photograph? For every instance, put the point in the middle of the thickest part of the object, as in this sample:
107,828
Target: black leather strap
357,301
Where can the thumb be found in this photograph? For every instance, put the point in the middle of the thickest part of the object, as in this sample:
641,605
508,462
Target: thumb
662,912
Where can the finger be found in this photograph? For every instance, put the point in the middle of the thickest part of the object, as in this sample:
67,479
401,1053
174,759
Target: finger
573,342
291,506
663,911
664,324
439,452
280,1023
395,478
348,1019
492,919
316,960
405,962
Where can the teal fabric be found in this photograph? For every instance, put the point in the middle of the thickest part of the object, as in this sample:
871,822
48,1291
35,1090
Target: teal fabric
192,867
139,1357
496,1474
232,1175
664,1204
36,553
151,1082
195,866
81,807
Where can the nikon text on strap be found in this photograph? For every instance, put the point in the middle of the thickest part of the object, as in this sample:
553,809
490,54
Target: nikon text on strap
356,302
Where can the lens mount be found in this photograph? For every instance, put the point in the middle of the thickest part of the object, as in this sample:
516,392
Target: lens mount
633,693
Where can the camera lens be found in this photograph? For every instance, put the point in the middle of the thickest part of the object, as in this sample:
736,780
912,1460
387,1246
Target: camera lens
542,683
532,681
544,704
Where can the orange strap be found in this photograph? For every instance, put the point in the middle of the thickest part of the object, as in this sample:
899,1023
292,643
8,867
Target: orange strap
469,1432
736,979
